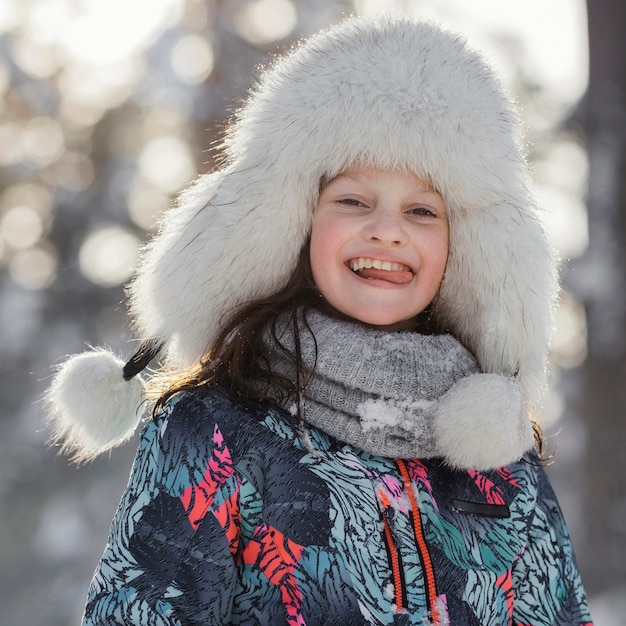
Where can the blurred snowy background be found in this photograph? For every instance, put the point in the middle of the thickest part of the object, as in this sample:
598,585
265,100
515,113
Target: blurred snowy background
109,107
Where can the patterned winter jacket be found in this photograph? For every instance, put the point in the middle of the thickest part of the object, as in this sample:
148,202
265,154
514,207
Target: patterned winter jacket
229,519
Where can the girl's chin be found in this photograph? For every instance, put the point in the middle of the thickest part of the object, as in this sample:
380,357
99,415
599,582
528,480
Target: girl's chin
392,327
382,322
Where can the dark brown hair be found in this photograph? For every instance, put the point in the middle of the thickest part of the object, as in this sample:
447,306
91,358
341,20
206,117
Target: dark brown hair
238,361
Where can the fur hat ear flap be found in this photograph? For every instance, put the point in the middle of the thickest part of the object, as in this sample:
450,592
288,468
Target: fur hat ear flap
95,403
470,423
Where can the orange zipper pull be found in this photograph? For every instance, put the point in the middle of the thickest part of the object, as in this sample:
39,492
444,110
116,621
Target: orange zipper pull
394,557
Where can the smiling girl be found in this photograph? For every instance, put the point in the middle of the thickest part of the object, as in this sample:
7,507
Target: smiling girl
353,316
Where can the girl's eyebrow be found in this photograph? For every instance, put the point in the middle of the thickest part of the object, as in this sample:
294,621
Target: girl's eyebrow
361,179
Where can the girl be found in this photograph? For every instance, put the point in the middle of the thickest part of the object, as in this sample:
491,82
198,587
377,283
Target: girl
355,313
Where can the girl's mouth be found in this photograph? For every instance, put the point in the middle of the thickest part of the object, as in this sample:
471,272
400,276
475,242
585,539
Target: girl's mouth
374,269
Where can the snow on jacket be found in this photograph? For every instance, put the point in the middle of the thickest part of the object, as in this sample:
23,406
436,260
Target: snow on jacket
229,519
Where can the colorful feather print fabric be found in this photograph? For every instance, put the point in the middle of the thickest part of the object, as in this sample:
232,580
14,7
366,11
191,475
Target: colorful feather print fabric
229,519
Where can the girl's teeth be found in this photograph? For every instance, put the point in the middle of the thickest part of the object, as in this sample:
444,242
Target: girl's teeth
361,262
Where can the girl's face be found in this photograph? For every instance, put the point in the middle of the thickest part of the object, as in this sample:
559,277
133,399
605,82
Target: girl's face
379,245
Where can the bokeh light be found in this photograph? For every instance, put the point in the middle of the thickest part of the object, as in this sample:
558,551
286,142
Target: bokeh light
262,22
146,203
34,58
28,194
108,256
561,173
100,88
9,17
166,162
74,172
569,346
192,59
43,141
98,33
34,268
21,227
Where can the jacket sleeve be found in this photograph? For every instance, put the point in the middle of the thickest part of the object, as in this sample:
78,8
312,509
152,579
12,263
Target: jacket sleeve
169,560
547,587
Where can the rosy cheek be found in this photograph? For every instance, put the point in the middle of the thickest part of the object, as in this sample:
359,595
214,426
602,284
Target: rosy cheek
318,254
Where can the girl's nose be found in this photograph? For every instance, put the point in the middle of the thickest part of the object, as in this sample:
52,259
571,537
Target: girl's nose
386,227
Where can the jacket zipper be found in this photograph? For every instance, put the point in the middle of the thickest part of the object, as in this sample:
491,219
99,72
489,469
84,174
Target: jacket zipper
422,547
399,590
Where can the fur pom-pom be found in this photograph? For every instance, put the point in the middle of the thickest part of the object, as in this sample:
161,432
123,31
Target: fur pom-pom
91,407
482,423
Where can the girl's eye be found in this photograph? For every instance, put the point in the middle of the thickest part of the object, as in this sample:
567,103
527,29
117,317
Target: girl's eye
422,211
350,202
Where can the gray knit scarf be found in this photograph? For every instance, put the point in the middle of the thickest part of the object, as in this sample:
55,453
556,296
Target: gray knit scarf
372,389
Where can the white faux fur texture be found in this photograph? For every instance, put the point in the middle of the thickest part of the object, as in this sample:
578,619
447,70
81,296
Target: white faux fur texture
481,422
91,407
392,93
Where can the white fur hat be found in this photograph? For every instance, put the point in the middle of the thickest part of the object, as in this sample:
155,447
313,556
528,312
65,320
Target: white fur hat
389,92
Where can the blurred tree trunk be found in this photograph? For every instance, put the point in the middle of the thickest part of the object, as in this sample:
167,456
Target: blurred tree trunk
602,279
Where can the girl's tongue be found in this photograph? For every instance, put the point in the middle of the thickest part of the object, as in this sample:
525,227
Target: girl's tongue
397,277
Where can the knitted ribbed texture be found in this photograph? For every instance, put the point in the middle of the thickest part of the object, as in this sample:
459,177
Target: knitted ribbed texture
372,389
